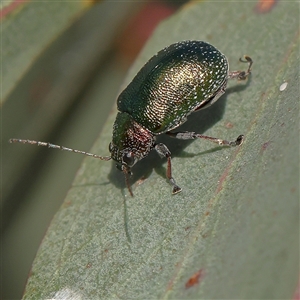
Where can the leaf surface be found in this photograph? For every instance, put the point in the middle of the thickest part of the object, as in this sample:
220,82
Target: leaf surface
17,27
237,219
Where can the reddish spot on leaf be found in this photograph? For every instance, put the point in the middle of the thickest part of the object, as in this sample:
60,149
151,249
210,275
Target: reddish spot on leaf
140,28
297,292
38,90
265,145
66,204
228,125
195,279
7,9
265,6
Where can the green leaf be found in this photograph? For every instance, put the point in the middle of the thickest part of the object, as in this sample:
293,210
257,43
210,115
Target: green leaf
64,94
237,219
23,40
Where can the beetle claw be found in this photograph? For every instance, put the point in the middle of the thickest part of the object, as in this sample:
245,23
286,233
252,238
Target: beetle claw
176,190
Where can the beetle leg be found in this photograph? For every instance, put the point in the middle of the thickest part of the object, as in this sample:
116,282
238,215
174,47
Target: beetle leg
163,151
127,173
242,75
192,135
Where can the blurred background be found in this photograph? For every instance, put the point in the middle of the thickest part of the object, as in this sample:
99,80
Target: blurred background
57,58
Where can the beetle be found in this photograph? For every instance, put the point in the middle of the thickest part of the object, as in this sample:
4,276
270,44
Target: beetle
180,79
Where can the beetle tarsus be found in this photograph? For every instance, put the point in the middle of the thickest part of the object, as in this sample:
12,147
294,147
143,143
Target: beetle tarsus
127,173
163,151
239,140
242,75
176,189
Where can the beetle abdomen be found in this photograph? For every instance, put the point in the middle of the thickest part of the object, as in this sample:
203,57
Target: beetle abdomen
174,82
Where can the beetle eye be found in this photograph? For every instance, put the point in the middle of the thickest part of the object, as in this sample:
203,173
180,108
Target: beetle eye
128,159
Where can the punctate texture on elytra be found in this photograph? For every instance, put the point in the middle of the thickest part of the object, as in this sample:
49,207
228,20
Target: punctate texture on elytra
174,83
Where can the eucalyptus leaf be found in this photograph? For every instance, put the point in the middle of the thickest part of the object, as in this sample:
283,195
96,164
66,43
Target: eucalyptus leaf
236,221
23,40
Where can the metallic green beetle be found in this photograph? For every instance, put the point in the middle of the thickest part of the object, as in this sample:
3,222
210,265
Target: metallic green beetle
180,79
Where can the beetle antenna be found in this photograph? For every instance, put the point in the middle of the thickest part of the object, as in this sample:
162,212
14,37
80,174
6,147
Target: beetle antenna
126,173
49,145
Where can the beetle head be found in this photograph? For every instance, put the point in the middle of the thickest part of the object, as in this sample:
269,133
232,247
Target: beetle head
130,143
